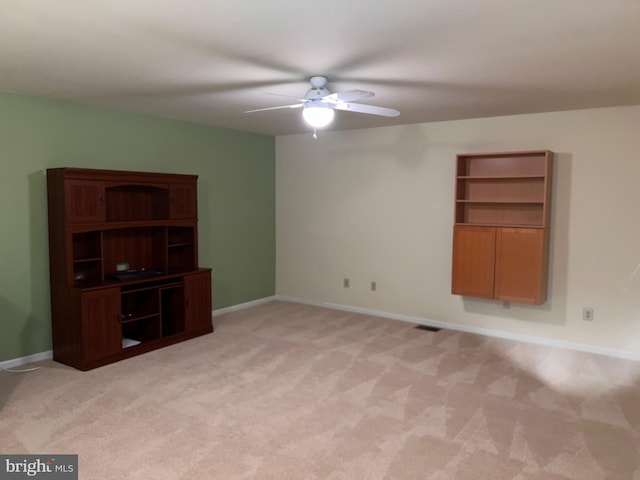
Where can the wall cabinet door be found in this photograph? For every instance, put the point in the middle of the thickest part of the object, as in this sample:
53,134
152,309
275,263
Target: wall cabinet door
503,263
85,201
101,330
473,261
197,297
183,200
520,260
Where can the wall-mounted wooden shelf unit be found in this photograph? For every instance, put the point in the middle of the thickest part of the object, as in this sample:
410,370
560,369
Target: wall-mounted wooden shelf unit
501,225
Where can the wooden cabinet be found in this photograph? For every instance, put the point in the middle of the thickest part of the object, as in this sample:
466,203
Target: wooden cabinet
521,265
124,266
197,294
100,327
474,261
85,201
183,201
501,231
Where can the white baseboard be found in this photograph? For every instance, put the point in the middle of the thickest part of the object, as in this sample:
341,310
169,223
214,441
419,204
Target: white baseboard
36,357
549,342
48,355
242,306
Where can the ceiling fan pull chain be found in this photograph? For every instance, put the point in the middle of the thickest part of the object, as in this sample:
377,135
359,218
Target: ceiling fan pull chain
315,133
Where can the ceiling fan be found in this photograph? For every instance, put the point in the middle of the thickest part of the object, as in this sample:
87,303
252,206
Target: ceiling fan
319,104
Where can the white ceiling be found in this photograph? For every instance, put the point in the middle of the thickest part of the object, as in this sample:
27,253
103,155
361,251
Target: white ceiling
209,61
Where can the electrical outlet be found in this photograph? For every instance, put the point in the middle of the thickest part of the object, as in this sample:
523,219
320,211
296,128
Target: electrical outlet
374,286
587,314
346,283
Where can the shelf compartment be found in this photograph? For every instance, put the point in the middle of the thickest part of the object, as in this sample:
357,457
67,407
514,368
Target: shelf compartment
494,190
144,330
89,270
503,164
181,247
139,304
87,257
487,213
179,236
181,257
173,309
87,246
141,248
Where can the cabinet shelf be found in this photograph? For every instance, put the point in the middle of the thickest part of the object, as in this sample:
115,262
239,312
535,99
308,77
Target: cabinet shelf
87,260
137,317
149,286
515,202
500,177
494,224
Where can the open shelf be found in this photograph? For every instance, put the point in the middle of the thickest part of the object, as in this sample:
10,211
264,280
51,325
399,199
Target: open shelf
500,177
172,306
524,202
503,165
503,188
181,247
144,330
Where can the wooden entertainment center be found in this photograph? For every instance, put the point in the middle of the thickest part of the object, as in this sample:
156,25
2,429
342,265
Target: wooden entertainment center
123,253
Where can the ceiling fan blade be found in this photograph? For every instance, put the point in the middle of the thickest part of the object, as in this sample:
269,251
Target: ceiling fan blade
281,95
295,105
348,96
371,109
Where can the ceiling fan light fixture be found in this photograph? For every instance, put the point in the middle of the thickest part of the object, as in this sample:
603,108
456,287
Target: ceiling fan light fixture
317,114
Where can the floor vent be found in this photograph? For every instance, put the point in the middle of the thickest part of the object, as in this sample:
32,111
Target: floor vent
428,328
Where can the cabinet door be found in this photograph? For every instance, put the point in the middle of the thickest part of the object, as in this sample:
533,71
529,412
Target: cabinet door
183,200
473,261
197,298
520,272
84,201
101,332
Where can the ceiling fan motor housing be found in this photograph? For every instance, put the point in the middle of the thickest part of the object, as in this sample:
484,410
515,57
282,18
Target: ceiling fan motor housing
318,88
317,93
318,81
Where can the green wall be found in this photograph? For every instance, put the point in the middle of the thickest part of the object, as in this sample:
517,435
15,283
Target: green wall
236,199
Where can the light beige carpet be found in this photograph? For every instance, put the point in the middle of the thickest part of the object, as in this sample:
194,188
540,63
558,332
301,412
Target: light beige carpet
286,391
